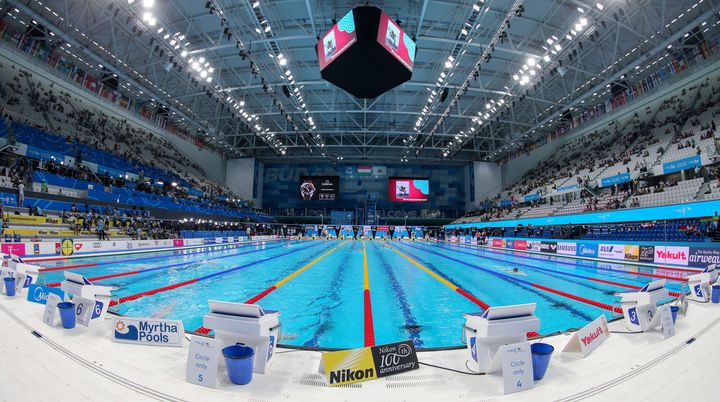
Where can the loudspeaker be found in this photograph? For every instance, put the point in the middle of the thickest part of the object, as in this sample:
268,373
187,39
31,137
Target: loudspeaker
443,95
286,91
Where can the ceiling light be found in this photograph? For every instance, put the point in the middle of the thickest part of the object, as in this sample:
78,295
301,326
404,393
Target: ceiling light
599,6
546,58
148,3
448,64
531,61
283,62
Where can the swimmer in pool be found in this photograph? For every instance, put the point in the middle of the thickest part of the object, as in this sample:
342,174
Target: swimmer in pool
515,271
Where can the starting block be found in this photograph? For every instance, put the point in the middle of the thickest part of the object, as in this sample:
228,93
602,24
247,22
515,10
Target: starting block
83,292
639,307
486,332
25,274
247,324
701,284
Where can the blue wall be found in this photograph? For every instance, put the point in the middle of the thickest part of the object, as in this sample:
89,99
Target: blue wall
281,183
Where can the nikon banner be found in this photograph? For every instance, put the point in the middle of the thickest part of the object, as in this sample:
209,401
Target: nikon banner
356,365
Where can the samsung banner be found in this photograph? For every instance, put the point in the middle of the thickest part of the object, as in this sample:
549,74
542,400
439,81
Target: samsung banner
682,164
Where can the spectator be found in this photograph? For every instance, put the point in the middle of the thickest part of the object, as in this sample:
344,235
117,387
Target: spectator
21,194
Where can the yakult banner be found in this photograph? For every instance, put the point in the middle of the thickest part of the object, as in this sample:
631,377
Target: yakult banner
676,255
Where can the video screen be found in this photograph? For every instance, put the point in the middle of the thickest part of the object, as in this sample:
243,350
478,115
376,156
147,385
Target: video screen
319,188
402,189
396,41
340,37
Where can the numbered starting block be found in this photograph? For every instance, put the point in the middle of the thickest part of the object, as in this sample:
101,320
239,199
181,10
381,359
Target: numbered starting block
497,326
91,301
701,284
639,307
247,324
24,274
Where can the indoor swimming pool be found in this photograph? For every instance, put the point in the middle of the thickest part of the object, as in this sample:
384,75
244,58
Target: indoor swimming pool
342,294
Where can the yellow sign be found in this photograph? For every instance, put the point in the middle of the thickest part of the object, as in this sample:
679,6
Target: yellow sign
349,366
38,220
357,365
632,253
67,247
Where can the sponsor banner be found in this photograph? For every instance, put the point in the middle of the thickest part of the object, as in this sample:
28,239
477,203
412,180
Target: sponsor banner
647,254
531,197
521,245
533,245
148,331
587,250
13,248
39,294
566,248
178,242
66,247
566,188
682,164
497,243
509,244
617,179
36,220
632,253
703,256
357,365
548,247
588,338
612,251
677,255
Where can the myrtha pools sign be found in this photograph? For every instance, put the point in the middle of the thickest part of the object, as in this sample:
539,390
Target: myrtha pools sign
148,331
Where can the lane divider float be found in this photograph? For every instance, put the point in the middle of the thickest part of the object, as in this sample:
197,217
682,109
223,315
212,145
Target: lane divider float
589,278
257,297
180,264
671,278
69,267
528,283
369,328
205,277
449,284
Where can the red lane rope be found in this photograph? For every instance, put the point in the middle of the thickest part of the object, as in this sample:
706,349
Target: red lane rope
151,292
67,267
472,298
369,328
579,298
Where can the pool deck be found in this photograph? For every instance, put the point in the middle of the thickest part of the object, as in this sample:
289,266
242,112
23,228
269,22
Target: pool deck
84,364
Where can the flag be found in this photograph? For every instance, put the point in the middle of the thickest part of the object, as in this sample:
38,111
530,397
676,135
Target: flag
364,170
379,171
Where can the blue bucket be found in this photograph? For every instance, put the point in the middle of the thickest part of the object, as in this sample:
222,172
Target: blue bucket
674,310
716,294
10,286
541,353
67,314
239,362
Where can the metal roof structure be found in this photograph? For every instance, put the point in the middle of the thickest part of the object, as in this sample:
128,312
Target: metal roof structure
489,76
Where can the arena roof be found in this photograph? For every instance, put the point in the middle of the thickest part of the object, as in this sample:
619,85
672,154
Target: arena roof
245,73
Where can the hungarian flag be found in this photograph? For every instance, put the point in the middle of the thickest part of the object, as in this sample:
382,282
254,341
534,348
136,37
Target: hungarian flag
364,170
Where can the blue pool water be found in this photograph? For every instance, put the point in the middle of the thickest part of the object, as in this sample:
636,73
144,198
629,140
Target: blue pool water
323,306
